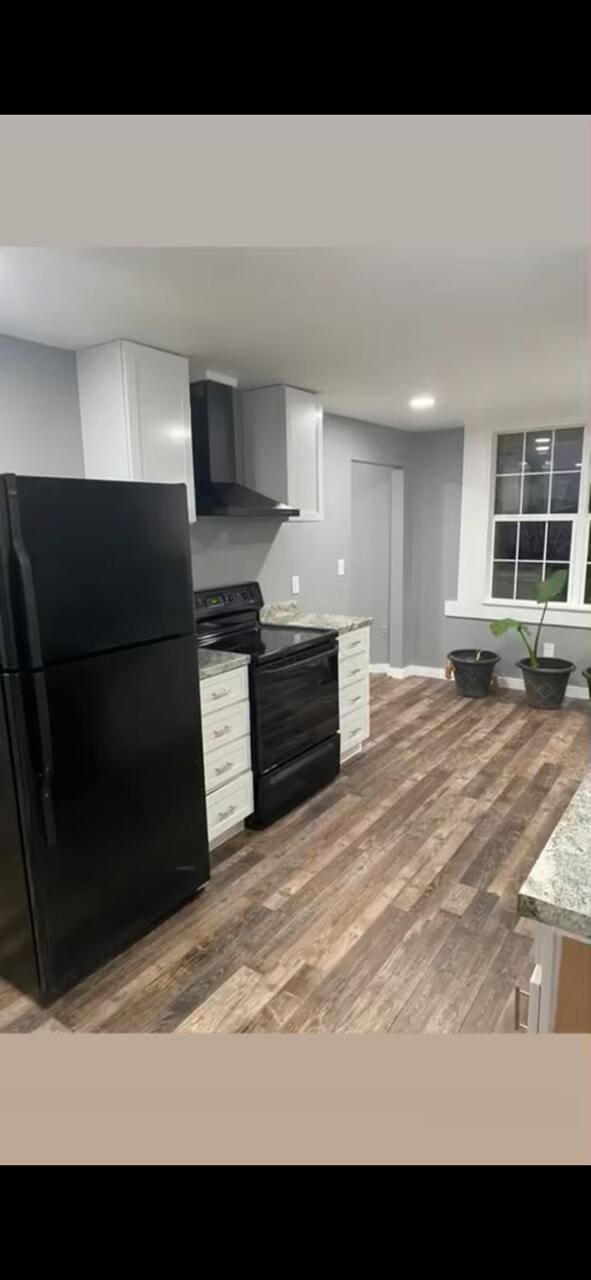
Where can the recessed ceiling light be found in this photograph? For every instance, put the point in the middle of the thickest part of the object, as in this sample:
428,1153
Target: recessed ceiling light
422,402
542,439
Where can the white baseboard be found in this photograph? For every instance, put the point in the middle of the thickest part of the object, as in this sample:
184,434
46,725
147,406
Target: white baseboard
438,673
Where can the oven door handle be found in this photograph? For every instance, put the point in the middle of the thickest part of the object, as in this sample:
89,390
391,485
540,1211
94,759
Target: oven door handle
297,659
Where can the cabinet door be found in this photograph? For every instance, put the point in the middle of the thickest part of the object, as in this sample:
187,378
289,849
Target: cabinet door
157,389
304,453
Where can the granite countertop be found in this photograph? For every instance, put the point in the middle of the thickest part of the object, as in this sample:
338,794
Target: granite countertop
557,891
287,614
212,662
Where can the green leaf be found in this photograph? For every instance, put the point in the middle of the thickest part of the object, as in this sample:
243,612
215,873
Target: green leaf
501,625
551,586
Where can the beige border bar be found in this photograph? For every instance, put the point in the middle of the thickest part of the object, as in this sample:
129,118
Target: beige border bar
295,1100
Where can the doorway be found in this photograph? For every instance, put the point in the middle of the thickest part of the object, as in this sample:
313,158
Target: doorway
377,556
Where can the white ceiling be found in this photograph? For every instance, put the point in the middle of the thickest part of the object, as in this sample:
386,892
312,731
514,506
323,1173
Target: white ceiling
504,337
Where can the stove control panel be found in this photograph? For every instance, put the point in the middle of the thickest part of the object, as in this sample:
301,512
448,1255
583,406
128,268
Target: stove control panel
247,595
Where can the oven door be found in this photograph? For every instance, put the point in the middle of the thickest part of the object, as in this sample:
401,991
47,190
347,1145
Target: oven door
295,703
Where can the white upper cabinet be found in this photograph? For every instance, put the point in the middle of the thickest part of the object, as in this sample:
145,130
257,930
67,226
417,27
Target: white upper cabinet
135,415
282,446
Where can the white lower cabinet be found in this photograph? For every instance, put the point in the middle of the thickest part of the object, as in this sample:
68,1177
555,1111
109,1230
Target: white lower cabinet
353,690
227,762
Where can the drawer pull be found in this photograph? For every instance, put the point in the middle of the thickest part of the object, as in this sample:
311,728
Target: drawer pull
223,693
352,733
518,1024
223,768
225,813
220,733
356,671
359,698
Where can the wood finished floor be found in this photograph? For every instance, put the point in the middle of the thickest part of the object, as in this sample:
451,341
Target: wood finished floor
386,903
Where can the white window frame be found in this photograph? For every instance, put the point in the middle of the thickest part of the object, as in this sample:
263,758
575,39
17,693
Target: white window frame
473,598
576,580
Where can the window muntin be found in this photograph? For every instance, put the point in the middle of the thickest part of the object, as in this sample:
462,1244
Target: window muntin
536,502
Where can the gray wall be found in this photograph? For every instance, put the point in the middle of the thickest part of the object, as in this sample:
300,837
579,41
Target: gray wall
226,551
40,430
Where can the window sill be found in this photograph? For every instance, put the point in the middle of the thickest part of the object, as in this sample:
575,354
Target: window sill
557,615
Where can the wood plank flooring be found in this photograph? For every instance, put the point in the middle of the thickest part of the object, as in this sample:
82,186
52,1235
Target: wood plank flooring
386,903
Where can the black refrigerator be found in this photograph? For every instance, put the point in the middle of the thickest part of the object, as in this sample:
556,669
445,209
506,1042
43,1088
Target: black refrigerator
102,802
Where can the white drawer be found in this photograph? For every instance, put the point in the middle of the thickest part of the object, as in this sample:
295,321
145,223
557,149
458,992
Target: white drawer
219,728
353,668
229,805
354,728
227,763
354,697
354,642
223,691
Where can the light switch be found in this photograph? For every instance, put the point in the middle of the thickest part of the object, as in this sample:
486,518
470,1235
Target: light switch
295,585
341,568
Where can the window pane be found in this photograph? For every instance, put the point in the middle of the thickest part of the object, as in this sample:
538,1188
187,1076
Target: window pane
505,540
565,492
503,578
531,540
535,495
538,450
588,585
559,536
509,452
528,577
554,568
568,449
508,495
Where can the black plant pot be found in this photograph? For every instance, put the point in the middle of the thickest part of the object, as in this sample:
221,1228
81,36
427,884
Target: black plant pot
587,675
473,675
545,685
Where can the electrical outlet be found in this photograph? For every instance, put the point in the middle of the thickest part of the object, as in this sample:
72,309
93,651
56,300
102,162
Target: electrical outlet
295,585
341,568
548,650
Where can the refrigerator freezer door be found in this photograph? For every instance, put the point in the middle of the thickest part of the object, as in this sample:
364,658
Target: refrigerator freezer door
87,566
119,808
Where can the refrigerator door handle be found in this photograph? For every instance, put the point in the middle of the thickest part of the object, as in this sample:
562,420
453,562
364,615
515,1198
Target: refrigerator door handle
46,772
27,585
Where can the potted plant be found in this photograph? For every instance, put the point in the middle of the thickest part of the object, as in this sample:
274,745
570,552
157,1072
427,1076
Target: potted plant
473,671
545,679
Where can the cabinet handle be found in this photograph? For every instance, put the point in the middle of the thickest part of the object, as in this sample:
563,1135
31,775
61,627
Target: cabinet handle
518,1025
223,768
220,733
359,698
356,670
223,693
352,733
225,813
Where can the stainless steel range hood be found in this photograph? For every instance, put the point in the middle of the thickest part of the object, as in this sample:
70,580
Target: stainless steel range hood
216,451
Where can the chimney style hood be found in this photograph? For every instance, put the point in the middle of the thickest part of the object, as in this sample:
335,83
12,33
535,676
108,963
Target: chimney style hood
218,491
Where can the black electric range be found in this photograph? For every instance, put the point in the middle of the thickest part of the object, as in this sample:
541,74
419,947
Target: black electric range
294,696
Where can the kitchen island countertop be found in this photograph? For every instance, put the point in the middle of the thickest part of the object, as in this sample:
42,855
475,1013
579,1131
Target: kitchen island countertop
557,891
285,613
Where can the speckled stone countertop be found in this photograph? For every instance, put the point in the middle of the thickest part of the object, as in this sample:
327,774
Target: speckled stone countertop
212,662
287,614
558,888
